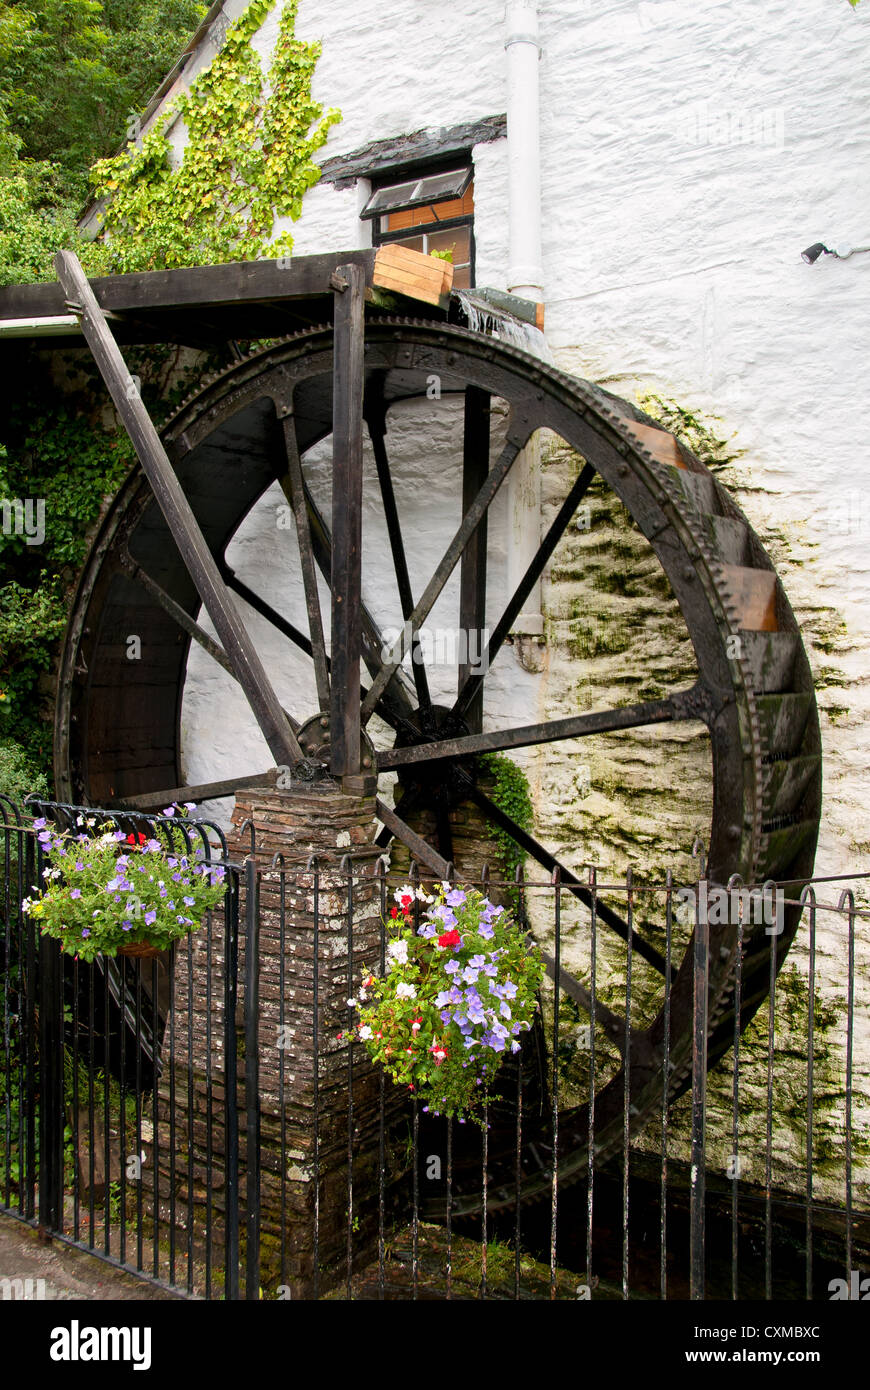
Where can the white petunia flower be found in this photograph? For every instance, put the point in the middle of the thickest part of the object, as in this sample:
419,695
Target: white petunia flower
398,952
351,1003
405,991
365,1032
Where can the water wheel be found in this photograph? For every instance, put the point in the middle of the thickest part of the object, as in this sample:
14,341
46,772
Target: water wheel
118,728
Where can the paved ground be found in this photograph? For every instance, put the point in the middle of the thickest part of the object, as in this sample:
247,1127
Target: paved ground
65,1273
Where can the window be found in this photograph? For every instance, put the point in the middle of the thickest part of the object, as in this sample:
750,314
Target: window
428,212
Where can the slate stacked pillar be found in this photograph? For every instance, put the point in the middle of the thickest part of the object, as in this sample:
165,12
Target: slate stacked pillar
305,1077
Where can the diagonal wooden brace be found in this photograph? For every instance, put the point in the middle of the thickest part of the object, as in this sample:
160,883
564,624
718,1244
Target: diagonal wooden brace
180,519
347,466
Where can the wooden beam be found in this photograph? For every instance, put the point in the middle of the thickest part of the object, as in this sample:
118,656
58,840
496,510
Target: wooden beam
243,282
169,494
347,465
205,791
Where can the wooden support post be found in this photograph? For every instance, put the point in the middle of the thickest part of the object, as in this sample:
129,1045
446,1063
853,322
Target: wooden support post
347,456
175,507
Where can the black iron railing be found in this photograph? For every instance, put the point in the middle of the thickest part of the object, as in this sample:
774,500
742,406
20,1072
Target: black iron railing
197,1119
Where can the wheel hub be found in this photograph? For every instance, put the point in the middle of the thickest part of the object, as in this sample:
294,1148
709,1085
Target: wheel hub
452,776
315,742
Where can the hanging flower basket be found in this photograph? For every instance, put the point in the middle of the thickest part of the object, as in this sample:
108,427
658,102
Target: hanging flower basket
140,950
117,894
459,990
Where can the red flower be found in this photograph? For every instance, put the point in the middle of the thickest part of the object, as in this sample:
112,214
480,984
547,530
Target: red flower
135,840
394,912
406,902
450,938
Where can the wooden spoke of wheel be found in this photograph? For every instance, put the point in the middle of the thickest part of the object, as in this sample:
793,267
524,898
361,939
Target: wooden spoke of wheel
259,605
472,570
570,880
397,700
685,704
187,624
518,436
471,688
204,791
377,428
293,487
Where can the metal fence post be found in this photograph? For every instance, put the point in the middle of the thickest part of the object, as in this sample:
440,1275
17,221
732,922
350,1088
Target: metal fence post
699,1090
51,1119
231,1111
252,1077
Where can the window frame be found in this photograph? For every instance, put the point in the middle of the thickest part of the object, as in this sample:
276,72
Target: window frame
387,178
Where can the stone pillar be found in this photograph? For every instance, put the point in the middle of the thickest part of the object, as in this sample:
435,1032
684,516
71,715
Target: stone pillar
297,1058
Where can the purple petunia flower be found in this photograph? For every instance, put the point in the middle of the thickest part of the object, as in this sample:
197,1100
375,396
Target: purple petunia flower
40,824
451,967
75,892
86,931
444,915
150,918
455,898
486,931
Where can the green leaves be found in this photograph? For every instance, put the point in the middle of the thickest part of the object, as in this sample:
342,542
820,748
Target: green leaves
510,792
248,160
71,70
461,986
99,895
